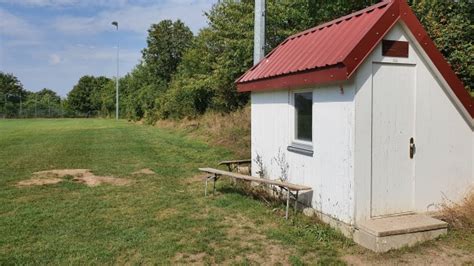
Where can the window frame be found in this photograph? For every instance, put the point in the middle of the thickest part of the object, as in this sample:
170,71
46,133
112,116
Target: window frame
298,145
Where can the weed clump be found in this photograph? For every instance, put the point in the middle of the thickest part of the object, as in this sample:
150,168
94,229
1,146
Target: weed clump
460,215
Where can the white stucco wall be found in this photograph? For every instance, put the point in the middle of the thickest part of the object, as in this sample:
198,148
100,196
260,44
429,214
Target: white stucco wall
444,138
329,171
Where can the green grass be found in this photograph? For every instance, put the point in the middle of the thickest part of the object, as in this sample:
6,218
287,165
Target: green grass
162,218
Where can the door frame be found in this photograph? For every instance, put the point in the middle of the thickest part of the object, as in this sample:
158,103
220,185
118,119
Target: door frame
413,183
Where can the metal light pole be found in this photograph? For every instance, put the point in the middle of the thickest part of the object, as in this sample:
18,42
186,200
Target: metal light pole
115,23
5,106
49,106
259,31
21,113
36,105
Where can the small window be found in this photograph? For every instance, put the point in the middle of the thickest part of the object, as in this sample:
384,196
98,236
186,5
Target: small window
303,116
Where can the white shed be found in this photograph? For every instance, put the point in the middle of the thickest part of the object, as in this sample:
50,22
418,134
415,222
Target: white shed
366,111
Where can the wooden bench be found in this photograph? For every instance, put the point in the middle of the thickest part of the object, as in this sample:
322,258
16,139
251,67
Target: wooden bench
215,174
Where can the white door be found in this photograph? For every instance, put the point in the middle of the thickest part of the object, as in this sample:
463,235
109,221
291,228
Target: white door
393,113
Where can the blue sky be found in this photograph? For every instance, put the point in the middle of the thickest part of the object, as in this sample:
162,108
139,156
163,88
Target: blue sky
52,43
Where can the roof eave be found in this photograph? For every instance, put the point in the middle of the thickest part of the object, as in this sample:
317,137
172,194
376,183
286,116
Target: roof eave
296,80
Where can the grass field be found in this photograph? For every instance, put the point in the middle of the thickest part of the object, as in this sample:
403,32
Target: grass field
159,218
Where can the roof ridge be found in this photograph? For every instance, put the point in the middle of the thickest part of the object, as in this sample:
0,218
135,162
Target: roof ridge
382,4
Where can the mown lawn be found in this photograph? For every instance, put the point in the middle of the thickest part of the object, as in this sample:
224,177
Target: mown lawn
162,218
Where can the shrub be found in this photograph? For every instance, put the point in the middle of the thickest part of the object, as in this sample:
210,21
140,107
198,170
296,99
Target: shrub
460,215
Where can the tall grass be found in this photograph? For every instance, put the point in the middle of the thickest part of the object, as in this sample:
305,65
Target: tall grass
231,131
460,215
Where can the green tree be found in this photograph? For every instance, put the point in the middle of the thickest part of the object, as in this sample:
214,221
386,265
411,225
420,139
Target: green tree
86,97
140,89
324,11
44,103
106,99
12,94
450,24
166,43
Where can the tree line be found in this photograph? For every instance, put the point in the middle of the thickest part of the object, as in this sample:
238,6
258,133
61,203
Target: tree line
19,102
184,75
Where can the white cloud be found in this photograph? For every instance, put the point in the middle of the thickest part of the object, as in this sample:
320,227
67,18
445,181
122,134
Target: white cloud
86,53
63,3
54,59
136,18
14,26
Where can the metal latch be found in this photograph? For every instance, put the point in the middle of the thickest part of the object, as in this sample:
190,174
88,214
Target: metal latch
412,147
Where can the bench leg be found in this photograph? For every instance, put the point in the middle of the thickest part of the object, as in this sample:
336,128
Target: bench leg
287,204
296,201
205,189
214,186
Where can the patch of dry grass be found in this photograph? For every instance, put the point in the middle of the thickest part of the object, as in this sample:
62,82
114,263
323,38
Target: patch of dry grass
460,215
83,176
231,131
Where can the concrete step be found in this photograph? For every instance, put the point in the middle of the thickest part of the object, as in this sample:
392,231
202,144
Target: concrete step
384,234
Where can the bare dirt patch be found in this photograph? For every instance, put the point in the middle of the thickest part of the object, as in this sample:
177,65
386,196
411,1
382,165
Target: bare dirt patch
435,255
84,176
93,180
39,182
144,171
193,259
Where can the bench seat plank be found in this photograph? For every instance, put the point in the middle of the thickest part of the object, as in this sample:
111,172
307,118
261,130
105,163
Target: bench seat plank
287,185
245,161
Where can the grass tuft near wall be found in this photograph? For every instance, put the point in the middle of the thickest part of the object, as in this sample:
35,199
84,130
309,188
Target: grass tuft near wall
460,215
231,131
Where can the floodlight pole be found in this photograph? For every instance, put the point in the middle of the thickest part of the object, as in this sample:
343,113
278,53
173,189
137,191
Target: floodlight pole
115,23
21,113
5,106
36,105
259,31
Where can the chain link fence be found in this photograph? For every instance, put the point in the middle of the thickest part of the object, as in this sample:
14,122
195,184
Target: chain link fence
12,110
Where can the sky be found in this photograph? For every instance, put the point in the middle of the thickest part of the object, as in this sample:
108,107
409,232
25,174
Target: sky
52,43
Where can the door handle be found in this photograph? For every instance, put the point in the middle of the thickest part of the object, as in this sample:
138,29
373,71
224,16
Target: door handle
412,147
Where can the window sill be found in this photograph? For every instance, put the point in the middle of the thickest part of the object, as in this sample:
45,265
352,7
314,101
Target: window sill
301,149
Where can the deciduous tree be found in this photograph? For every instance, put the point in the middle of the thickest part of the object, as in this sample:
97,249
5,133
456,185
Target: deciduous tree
166,43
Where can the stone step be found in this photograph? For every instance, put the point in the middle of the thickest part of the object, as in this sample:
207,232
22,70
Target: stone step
383,234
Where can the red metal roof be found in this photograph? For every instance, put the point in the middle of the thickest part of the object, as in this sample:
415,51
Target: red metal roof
334,50
321,46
